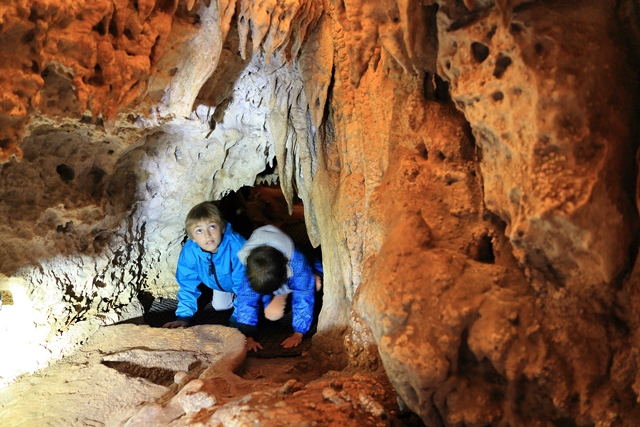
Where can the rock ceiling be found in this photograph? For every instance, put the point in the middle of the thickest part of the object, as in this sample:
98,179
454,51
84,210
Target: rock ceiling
468,168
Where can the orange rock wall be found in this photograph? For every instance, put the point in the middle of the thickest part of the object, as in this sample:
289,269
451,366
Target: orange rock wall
467,167
487,266
107,49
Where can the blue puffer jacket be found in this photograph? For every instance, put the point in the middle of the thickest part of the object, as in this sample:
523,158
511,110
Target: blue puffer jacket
302,285
194,267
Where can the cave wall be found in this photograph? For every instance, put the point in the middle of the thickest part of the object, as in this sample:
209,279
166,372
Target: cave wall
531,334
467,167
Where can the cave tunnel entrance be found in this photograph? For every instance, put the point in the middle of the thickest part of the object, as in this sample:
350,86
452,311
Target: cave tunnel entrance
246,210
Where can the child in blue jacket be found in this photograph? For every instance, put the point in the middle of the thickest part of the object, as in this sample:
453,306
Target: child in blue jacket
275,270
208,257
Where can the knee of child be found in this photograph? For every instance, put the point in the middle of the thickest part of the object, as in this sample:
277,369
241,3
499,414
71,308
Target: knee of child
273,315
222,302
275,309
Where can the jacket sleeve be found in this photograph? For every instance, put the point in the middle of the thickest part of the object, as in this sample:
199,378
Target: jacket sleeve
317,268
238,271
247,306
302,285
188,293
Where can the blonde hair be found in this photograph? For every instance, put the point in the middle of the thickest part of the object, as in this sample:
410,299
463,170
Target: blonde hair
205,211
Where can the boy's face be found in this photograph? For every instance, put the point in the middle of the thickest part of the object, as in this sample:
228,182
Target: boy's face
207,234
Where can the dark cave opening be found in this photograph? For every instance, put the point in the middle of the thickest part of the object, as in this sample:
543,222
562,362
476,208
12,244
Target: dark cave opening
265,204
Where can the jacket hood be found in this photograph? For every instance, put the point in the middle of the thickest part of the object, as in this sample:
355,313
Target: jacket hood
268,235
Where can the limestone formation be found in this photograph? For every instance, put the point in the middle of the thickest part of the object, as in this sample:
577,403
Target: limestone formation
468,169
121,368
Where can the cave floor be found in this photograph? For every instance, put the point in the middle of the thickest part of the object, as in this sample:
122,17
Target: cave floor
83,389
272,334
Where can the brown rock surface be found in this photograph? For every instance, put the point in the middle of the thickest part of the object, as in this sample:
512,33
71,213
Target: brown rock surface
468,169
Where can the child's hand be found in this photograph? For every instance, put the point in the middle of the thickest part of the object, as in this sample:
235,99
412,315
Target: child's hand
176,324
318,282
293,341
253,345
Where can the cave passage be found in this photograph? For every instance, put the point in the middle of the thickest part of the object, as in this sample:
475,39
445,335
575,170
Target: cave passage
246,210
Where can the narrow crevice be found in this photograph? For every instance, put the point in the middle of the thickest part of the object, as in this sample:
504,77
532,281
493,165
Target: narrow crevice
156,375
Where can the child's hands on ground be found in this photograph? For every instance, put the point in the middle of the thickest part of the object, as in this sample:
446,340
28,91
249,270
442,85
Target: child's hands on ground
293,341
176,324
253,345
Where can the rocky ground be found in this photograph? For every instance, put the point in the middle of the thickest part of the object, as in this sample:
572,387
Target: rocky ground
136,375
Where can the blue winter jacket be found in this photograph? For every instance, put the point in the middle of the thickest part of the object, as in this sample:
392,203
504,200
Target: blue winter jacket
194,267
302,285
